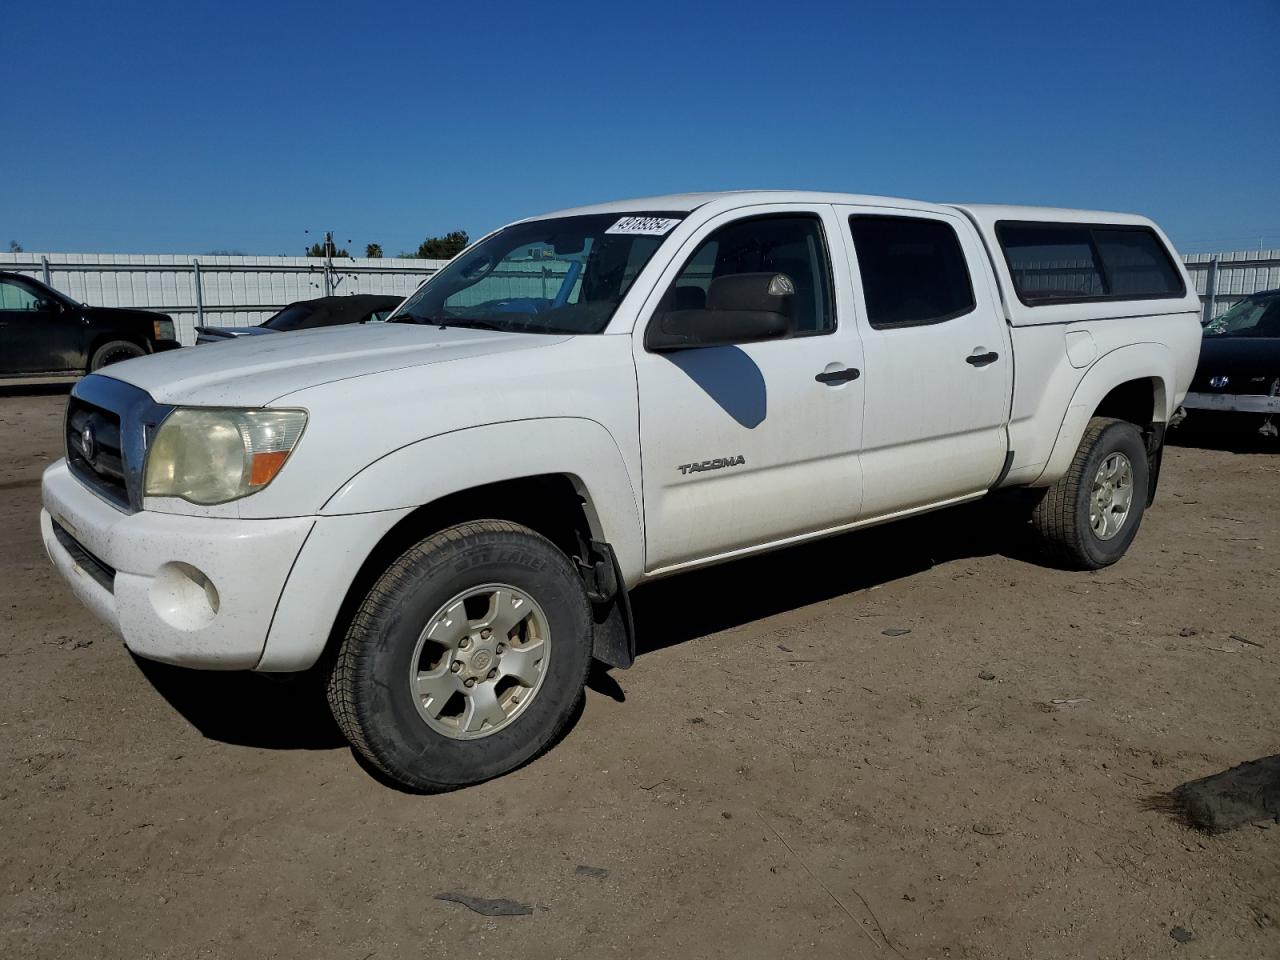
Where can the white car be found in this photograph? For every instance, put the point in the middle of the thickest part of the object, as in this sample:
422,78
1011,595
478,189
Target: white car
446,512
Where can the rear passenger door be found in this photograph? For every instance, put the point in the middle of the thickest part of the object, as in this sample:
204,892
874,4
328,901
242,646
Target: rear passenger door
938,364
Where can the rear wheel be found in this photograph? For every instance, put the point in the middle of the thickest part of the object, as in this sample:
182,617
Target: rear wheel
1090,516
466,659
114,352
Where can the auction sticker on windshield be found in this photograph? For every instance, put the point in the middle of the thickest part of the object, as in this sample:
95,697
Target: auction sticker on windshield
643,226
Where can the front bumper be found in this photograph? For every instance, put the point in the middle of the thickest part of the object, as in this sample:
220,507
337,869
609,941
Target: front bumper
1233,402
194,591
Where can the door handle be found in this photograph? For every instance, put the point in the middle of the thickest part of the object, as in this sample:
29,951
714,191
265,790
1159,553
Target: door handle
838,376
982,359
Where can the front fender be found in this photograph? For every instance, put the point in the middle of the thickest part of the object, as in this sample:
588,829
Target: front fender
576,447
1139,361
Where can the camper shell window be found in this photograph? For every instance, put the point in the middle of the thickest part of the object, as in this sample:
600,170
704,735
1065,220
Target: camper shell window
1084,263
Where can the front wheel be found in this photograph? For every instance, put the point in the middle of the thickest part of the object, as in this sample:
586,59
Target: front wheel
1090,516
114,352
466,659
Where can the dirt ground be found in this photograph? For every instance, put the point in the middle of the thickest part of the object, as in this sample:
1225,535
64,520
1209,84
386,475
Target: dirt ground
775,777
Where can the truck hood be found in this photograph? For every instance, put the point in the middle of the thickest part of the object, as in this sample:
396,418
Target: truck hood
120,313
253,371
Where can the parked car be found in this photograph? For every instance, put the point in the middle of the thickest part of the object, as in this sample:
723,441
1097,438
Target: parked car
1239,371
447,513
305,314
46,333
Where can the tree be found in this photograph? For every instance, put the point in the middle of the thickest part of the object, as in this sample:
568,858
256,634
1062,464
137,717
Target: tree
441,248
373,250
317,250
15,247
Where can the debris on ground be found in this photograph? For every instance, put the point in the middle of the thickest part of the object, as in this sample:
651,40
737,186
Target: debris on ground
1244,794
598,873
986,675
486,907
1182,934
895,632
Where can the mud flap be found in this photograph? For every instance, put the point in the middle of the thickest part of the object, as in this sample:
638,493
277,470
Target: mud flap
615,635
1155,456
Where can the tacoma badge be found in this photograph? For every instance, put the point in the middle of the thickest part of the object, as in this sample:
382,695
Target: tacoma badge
719,463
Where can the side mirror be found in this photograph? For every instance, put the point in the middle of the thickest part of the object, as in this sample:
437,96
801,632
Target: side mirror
48,305
741,308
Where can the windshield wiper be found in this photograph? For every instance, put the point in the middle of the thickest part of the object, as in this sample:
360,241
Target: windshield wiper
472,322
444,322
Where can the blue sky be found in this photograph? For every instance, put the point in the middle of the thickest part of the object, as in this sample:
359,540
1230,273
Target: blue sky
189,127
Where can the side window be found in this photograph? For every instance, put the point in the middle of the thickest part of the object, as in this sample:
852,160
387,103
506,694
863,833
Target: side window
17,296
1136,264
1073,262
790,245
1052,262
913,271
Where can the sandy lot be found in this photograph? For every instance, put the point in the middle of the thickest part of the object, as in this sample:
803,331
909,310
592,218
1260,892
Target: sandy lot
775,777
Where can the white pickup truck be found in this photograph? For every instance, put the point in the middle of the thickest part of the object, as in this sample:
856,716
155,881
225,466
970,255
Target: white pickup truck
445,513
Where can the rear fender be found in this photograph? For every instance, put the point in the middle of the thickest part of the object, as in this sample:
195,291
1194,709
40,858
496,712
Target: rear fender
1140,361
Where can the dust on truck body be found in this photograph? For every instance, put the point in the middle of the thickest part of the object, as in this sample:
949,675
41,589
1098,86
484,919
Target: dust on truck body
446,513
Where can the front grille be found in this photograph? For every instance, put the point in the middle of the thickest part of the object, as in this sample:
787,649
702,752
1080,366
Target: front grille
86,561
94,450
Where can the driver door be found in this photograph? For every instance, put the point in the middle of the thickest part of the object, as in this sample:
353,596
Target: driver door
37,334
746,445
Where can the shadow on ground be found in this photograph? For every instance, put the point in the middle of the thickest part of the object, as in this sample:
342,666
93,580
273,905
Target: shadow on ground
249,709
291,713
21,388
1230,433
718,598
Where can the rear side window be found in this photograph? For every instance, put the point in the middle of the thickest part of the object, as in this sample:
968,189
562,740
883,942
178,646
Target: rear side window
1075,262
913,271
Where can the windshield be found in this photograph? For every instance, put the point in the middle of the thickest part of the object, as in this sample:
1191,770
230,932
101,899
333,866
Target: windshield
561,275
291,317
1255,317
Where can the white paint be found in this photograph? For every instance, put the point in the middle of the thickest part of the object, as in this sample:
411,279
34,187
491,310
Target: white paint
400,415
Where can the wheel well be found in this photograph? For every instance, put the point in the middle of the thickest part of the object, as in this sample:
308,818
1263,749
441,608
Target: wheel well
549,504
1141,402
1135,401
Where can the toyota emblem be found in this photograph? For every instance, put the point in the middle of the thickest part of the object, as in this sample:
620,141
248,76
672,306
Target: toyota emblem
88,442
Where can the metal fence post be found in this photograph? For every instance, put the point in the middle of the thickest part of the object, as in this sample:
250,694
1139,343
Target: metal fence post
44,263
1210,291
195,271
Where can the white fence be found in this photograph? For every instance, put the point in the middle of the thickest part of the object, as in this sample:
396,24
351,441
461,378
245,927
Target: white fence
240,291
1224,279
216,290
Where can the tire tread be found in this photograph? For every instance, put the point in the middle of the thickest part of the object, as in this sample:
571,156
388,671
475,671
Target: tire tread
359,643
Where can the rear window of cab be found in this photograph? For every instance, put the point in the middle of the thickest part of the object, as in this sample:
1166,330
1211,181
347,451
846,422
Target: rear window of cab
1086,263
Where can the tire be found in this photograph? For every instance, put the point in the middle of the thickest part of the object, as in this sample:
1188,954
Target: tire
113,352
376,684
1065,522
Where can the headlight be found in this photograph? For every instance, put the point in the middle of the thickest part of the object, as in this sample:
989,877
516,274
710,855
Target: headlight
163,329
206,455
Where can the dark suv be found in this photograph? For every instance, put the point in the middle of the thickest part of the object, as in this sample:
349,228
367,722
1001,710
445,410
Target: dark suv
46,333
